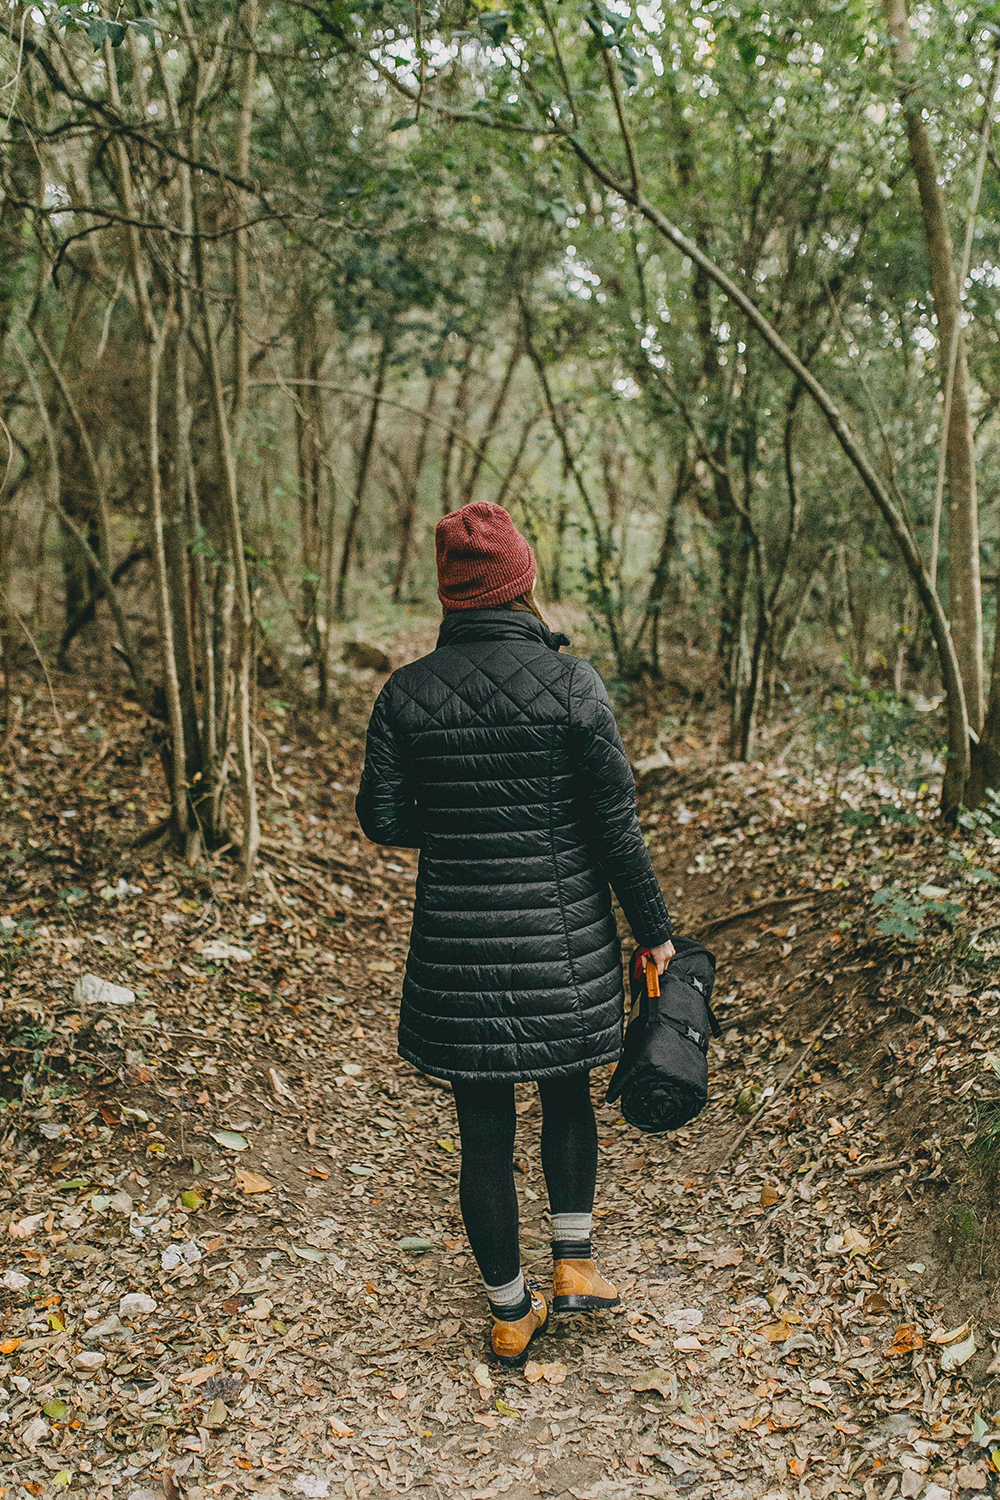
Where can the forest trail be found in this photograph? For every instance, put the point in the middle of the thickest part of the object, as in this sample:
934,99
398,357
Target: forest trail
243,1149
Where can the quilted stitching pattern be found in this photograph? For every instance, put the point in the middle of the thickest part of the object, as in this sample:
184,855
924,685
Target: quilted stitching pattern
501,761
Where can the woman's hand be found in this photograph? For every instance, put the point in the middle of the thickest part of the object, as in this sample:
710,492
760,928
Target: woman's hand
662,955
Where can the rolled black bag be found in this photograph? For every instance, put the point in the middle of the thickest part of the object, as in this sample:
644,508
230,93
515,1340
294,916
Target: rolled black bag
662,1077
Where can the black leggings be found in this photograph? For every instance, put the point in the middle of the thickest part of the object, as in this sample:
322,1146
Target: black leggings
486,1122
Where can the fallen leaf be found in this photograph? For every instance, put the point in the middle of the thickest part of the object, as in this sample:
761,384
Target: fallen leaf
684,1319
382,966
23,1229
33,1434
481,1375
302,1252
769,1196
233,1305
663,1381
280,1087
251,1182
906,1340
313,1486
950,1336
956,1355
554,1373
232,1139
727,1257
135,1304
532,1371
505,1410
340,1429
220,952
686,1344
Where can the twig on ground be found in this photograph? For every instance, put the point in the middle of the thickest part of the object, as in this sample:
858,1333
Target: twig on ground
769,1103
807,902
874,1168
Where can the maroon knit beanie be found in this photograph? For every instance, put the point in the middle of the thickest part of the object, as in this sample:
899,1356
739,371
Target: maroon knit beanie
482,558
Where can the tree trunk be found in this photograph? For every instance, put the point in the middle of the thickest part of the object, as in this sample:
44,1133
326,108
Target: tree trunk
986,755
604,598
492,422
192,590
457,418
964,586
412,497
527,427
241,348
329,586
361,484
659,583
153,335
245,640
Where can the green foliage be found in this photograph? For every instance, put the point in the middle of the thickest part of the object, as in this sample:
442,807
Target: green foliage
876,729
72,17
983,819
966,1221
907,911
13,941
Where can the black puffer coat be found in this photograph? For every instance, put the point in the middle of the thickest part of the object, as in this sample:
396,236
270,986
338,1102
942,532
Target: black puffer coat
500,760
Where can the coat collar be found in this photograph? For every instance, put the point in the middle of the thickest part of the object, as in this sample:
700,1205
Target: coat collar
497,625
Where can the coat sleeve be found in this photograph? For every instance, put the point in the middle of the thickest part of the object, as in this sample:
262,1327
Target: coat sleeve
608,792
386,801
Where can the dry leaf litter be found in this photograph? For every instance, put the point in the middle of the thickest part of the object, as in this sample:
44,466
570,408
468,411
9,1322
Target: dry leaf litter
232,1256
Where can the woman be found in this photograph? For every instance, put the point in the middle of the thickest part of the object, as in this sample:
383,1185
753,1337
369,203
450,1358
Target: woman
500,760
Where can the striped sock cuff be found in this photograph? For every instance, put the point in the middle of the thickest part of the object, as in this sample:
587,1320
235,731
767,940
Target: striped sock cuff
510,1301
571,1236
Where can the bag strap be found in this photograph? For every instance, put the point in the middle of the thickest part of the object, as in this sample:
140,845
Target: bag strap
700,1038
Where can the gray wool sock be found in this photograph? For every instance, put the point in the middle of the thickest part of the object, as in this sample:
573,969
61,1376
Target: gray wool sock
571,1236
508,1301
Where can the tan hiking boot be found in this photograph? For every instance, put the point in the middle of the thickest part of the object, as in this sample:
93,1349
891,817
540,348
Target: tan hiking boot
510,1340
578,1286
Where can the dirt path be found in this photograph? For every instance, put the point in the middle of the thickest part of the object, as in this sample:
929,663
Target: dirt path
242,1148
